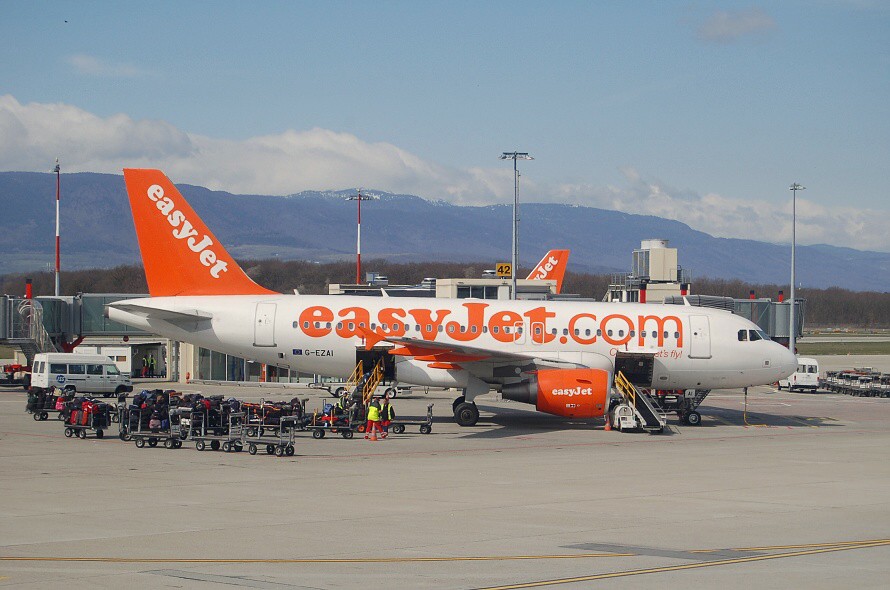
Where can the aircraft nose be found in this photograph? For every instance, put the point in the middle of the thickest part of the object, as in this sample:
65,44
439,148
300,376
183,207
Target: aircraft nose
786,360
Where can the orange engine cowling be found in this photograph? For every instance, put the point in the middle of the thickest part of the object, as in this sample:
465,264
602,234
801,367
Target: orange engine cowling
574,393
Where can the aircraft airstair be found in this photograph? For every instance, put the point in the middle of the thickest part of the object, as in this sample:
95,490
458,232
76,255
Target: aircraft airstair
637,403
373,380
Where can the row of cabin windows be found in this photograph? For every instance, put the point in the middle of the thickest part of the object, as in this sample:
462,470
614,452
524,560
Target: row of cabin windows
78,369
495,329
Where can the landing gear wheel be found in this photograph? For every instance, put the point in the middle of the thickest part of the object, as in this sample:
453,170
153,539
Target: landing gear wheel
289,450
346,433
279,451
200,445
457,402
270,449
214,445
251,448
100,434
693,418
140,442
425,429
339,391
82,433
318,433
390,392
69,433
398,428
466,414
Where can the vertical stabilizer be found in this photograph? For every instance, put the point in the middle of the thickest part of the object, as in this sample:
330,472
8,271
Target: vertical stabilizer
180,254
552,267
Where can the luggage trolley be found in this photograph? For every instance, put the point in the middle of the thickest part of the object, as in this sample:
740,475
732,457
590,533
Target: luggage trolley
93,416
41,405
426,426
228,436
281,443
169,432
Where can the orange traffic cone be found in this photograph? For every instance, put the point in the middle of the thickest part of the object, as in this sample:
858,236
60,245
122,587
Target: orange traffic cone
373,434
608,423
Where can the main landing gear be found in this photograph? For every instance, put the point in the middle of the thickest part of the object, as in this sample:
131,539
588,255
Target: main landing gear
465,413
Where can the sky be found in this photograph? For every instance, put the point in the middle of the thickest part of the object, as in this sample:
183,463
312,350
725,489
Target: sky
699,111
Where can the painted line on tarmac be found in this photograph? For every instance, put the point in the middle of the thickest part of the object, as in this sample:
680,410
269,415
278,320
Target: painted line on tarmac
690,566
320,560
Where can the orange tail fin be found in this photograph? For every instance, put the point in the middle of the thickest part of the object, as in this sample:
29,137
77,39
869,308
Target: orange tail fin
181,256
552,267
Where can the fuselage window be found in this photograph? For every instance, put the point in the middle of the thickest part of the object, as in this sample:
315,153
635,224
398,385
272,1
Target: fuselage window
621,333
519,330
554,331
506,329
305,325
565,331
608,332
485,329
361,324
494,329
587,332
373,326
441,329
677,335
296,324
384,327
451,328
537,330
599,332
473,328
351,326
429,328
339,325
417,327
318,324
665,335
577,332
632,334
328,325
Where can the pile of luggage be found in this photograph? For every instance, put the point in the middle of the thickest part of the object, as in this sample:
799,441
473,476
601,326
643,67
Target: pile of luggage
213,414
151,410
267,415
85,411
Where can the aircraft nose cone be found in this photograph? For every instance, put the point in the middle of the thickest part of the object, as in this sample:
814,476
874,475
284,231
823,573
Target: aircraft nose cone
787,360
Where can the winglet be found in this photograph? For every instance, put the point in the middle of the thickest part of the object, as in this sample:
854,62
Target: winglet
552,266
180,254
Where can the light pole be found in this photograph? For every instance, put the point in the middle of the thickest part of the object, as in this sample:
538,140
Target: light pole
58,172
792,333
515,260
358,238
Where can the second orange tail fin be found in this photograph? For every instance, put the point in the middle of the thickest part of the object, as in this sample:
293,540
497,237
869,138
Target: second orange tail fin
553,267
181,256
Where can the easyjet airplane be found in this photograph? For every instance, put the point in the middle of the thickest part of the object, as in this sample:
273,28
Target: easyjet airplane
560,356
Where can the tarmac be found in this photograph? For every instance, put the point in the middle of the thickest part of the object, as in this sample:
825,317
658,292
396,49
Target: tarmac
779,490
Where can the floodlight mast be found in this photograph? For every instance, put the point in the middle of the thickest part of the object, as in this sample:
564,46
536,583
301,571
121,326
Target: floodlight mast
358,238
792,333
58,172
515,156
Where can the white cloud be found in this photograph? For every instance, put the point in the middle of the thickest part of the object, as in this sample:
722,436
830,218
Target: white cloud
33,135
93,66
728,27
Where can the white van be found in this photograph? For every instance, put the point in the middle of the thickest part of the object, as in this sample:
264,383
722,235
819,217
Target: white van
806,377
81,373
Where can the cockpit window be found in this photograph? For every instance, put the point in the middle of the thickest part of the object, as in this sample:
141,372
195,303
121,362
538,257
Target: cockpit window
743,335
753,335
763,335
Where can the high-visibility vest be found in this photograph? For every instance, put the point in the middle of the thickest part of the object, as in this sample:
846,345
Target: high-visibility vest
373,414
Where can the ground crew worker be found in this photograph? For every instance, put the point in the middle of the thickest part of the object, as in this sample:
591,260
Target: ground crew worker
386,415
373,424
144,365
151,365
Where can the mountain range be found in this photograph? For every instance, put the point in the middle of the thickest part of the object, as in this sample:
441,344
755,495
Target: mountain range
97,232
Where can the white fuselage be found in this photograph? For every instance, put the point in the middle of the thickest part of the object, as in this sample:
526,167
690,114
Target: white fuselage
693,347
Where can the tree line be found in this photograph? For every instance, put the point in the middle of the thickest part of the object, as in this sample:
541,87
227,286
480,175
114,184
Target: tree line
825,308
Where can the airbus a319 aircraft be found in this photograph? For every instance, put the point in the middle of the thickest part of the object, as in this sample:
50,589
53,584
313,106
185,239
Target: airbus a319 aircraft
561,356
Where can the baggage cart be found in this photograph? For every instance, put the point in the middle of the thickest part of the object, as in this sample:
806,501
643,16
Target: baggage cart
169,434
205,433
280,444
41,405
93,417
398,425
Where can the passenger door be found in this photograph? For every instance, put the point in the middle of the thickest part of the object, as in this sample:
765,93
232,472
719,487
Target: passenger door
264,325
700,339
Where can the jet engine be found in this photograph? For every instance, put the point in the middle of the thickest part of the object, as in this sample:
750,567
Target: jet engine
574,393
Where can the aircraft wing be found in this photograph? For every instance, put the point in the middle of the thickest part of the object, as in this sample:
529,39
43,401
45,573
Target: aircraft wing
453,355
181,318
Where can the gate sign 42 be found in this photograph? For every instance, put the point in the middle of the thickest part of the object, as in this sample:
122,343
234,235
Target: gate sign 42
504,269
